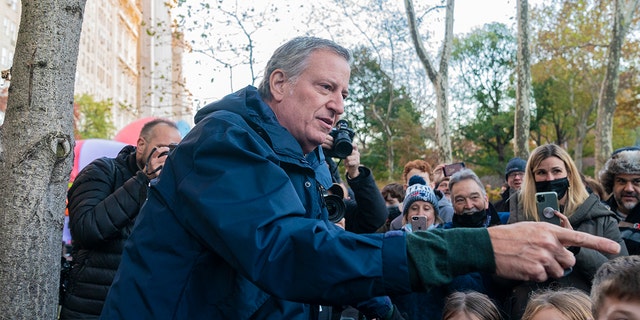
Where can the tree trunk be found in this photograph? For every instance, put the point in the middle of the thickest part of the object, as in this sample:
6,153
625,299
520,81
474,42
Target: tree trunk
37,157
439,78
623,11
522,116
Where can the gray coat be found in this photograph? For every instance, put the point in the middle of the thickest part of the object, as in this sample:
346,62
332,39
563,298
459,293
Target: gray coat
592,217
595,218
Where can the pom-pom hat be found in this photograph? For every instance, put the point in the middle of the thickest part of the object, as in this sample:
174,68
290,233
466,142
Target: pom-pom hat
418,190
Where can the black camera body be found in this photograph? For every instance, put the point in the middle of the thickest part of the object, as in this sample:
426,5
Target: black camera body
342,140
334,201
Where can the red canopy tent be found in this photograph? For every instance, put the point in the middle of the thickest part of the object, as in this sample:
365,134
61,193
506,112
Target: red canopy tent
130,133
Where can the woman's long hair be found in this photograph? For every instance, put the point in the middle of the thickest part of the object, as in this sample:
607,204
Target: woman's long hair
576,194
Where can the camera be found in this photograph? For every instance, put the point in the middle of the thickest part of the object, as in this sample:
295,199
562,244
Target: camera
342,140
333,200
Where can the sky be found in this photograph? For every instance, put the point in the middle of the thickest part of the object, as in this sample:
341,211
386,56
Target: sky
468,14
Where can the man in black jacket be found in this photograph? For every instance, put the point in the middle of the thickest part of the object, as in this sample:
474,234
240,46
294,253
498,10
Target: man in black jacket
103,204
365,212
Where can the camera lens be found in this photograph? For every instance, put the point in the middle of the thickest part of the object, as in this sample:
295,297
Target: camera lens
342,146
335,206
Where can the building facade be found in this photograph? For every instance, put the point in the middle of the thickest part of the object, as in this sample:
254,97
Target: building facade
127,55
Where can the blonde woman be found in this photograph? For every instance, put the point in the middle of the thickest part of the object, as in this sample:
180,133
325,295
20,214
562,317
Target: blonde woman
470,305
565,304
550,168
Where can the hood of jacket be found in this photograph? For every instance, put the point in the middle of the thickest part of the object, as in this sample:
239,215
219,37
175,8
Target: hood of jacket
249,105
590,209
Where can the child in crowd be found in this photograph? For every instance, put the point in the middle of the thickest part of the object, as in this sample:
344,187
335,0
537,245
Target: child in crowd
419,200
565,304
470,305
616,289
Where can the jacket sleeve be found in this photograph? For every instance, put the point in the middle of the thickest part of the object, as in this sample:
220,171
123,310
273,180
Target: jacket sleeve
99,209
437,256
235,197
369,212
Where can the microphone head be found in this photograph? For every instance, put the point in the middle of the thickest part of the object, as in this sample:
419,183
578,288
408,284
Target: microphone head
548,212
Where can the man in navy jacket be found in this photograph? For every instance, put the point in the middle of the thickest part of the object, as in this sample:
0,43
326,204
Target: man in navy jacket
235,227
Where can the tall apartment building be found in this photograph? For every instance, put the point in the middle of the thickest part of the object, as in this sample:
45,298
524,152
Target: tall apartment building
128,55
10,16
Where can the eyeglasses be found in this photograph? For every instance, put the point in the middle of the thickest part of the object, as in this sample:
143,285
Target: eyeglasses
516,174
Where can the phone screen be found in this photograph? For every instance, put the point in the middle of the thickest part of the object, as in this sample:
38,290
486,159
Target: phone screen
450,169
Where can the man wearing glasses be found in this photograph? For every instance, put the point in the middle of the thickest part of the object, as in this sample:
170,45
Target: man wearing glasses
513,174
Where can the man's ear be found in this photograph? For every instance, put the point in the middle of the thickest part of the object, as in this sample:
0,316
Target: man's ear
277,84
140,145
486,202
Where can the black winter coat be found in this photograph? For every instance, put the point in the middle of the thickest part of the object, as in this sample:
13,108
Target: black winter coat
104,201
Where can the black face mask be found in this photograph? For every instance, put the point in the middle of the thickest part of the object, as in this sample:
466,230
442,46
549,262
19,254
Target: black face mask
560,186
394,212
474,220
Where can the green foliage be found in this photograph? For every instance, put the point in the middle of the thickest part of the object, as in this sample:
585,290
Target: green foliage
384,117
570,49
484,62
92,118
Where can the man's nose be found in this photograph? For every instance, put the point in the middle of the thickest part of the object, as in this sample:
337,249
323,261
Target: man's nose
628,186
468,204
337,103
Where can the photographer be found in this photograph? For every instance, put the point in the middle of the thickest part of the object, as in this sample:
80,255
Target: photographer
364,214
368,211
104,203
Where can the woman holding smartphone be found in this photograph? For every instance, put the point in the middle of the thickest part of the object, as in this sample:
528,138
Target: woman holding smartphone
551,169
420,207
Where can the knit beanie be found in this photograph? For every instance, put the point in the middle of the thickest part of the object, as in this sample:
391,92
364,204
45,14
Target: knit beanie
418,190
623,161
514,165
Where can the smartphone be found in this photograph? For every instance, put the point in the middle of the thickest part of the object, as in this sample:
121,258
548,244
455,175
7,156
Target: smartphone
546,201
418,223
450,169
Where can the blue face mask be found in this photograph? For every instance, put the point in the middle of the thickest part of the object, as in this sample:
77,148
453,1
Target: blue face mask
559,186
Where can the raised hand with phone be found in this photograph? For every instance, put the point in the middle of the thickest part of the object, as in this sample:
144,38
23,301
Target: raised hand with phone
552,184
420,206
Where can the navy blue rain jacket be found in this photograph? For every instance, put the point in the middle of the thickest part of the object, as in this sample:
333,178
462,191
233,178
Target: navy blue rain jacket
235,228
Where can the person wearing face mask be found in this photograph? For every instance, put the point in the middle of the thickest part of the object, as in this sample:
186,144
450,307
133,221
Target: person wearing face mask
550,168
420,201
471,210
471,205
393,194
